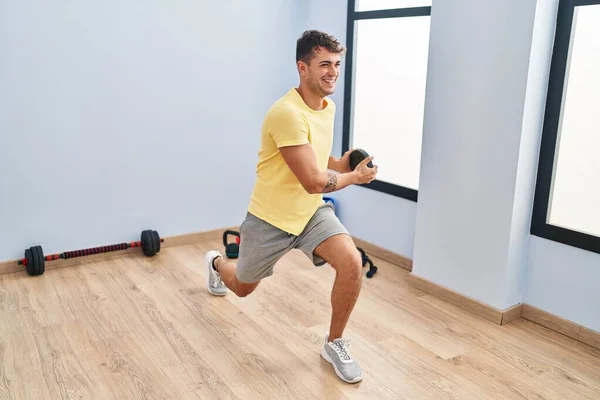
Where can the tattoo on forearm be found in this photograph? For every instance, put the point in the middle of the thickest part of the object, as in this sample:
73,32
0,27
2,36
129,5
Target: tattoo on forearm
331,182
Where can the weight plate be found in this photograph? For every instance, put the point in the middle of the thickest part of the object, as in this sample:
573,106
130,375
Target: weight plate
147,246
156,241
29,257
356,157
41,265
35,260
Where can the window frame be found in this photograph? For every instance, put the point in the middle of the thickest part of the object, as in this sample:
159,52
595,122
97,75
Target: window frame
352,17
550,131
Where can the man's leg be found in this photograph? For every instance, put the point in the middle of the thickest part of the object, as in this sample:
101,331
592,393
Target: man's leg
221,276
262,245
343,256
226,270
341,253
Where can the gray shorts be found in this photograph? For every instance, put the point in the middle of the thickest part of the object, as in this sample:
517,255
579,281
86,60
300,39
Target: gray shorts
262,245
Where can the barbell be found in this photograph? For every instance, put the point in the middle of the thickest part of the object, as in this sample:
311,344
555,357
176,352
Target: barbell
34,259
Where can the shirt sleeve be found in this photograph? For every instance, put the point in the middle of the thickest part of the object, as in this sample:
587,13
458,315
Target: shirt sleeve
287,127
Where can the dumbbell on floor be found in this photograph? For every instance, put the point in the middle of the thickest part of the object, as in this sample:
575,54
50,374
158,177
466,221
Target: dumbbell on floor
366,260
34,260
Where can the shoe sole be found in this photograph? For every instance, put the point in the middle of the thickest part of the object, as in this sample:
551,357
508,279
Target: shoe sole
216,294
208,274
337,372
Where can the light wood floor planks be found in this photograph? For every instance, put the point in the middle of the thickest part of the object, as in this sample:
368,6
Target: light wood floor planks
138,328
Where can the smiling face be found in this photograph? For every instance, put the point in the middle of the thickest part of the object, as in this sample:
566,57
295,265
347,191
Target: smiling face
321,73
318,57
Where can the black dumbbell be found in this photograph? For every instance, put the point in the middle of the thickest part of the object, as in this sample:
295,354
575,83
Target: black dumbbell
34,259
232,250
372,268
366,260
357,156
150,243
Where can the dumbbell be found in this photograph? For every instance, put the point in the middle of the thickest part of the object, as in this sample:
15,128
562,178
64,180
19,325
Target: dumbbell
366,260
357,156
232,250
34,260
372,268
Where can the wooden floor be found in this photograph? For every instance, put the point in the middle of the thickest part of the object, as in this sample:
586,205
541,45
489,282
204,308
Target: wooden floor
135,328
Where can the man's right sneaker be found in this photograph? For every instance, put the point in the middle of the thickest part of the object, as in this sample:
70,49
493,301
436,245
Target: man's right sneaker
345,366
213,280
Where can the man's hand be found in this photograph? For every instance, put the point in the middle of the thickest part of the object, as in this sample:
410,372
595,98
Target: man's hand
363,173
345,161
302,161
341,164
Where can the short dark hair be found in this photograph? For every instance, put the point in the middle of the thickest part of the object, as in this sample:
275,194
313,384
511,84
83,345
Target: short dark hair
313,39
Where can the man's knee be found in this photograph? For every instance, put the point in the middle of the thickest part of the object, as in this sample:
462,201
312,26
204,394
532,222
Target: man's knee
350,266
243,289
343,256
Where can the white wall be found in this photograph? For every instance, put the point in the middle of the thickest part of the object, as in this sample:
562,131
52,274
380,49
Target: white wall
551,276
377,217
121,116
563,280
533,117
478,70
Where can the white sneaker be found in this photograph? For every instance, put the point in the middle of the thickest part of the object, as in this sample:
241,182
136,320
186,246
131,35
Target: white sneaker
213,280
337,354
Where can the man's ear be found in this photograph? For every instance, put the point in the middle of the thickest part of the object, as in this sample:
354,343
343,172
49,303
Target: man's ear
302,67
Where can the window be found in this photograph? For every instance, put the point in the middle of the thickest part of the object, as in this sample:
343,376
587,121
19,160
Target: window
385,88
567,200
370,5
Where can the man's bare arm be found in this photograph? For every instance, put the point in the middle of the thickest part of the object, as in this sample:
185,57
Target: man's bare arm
334,164
340,164
303,163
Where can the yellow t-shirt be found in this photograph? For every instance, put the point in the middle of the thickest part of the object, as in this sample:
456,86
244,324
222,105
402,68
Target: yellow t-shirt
278,197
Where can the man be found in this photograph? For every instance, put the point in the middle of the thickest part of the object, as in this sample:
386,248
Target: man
287,210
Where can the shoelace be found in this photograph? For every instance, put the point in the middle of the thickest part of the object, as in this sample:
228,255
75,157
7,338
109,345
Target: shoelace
217,281
341,347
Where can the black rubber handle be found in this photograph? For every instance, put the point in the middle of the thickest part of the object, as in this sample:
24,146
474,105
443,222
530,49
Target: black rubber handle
94,250
227,233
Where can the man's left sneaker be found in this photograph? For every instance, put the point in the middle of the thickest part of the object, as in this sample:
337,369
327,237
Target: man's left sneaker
337,354
213,280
